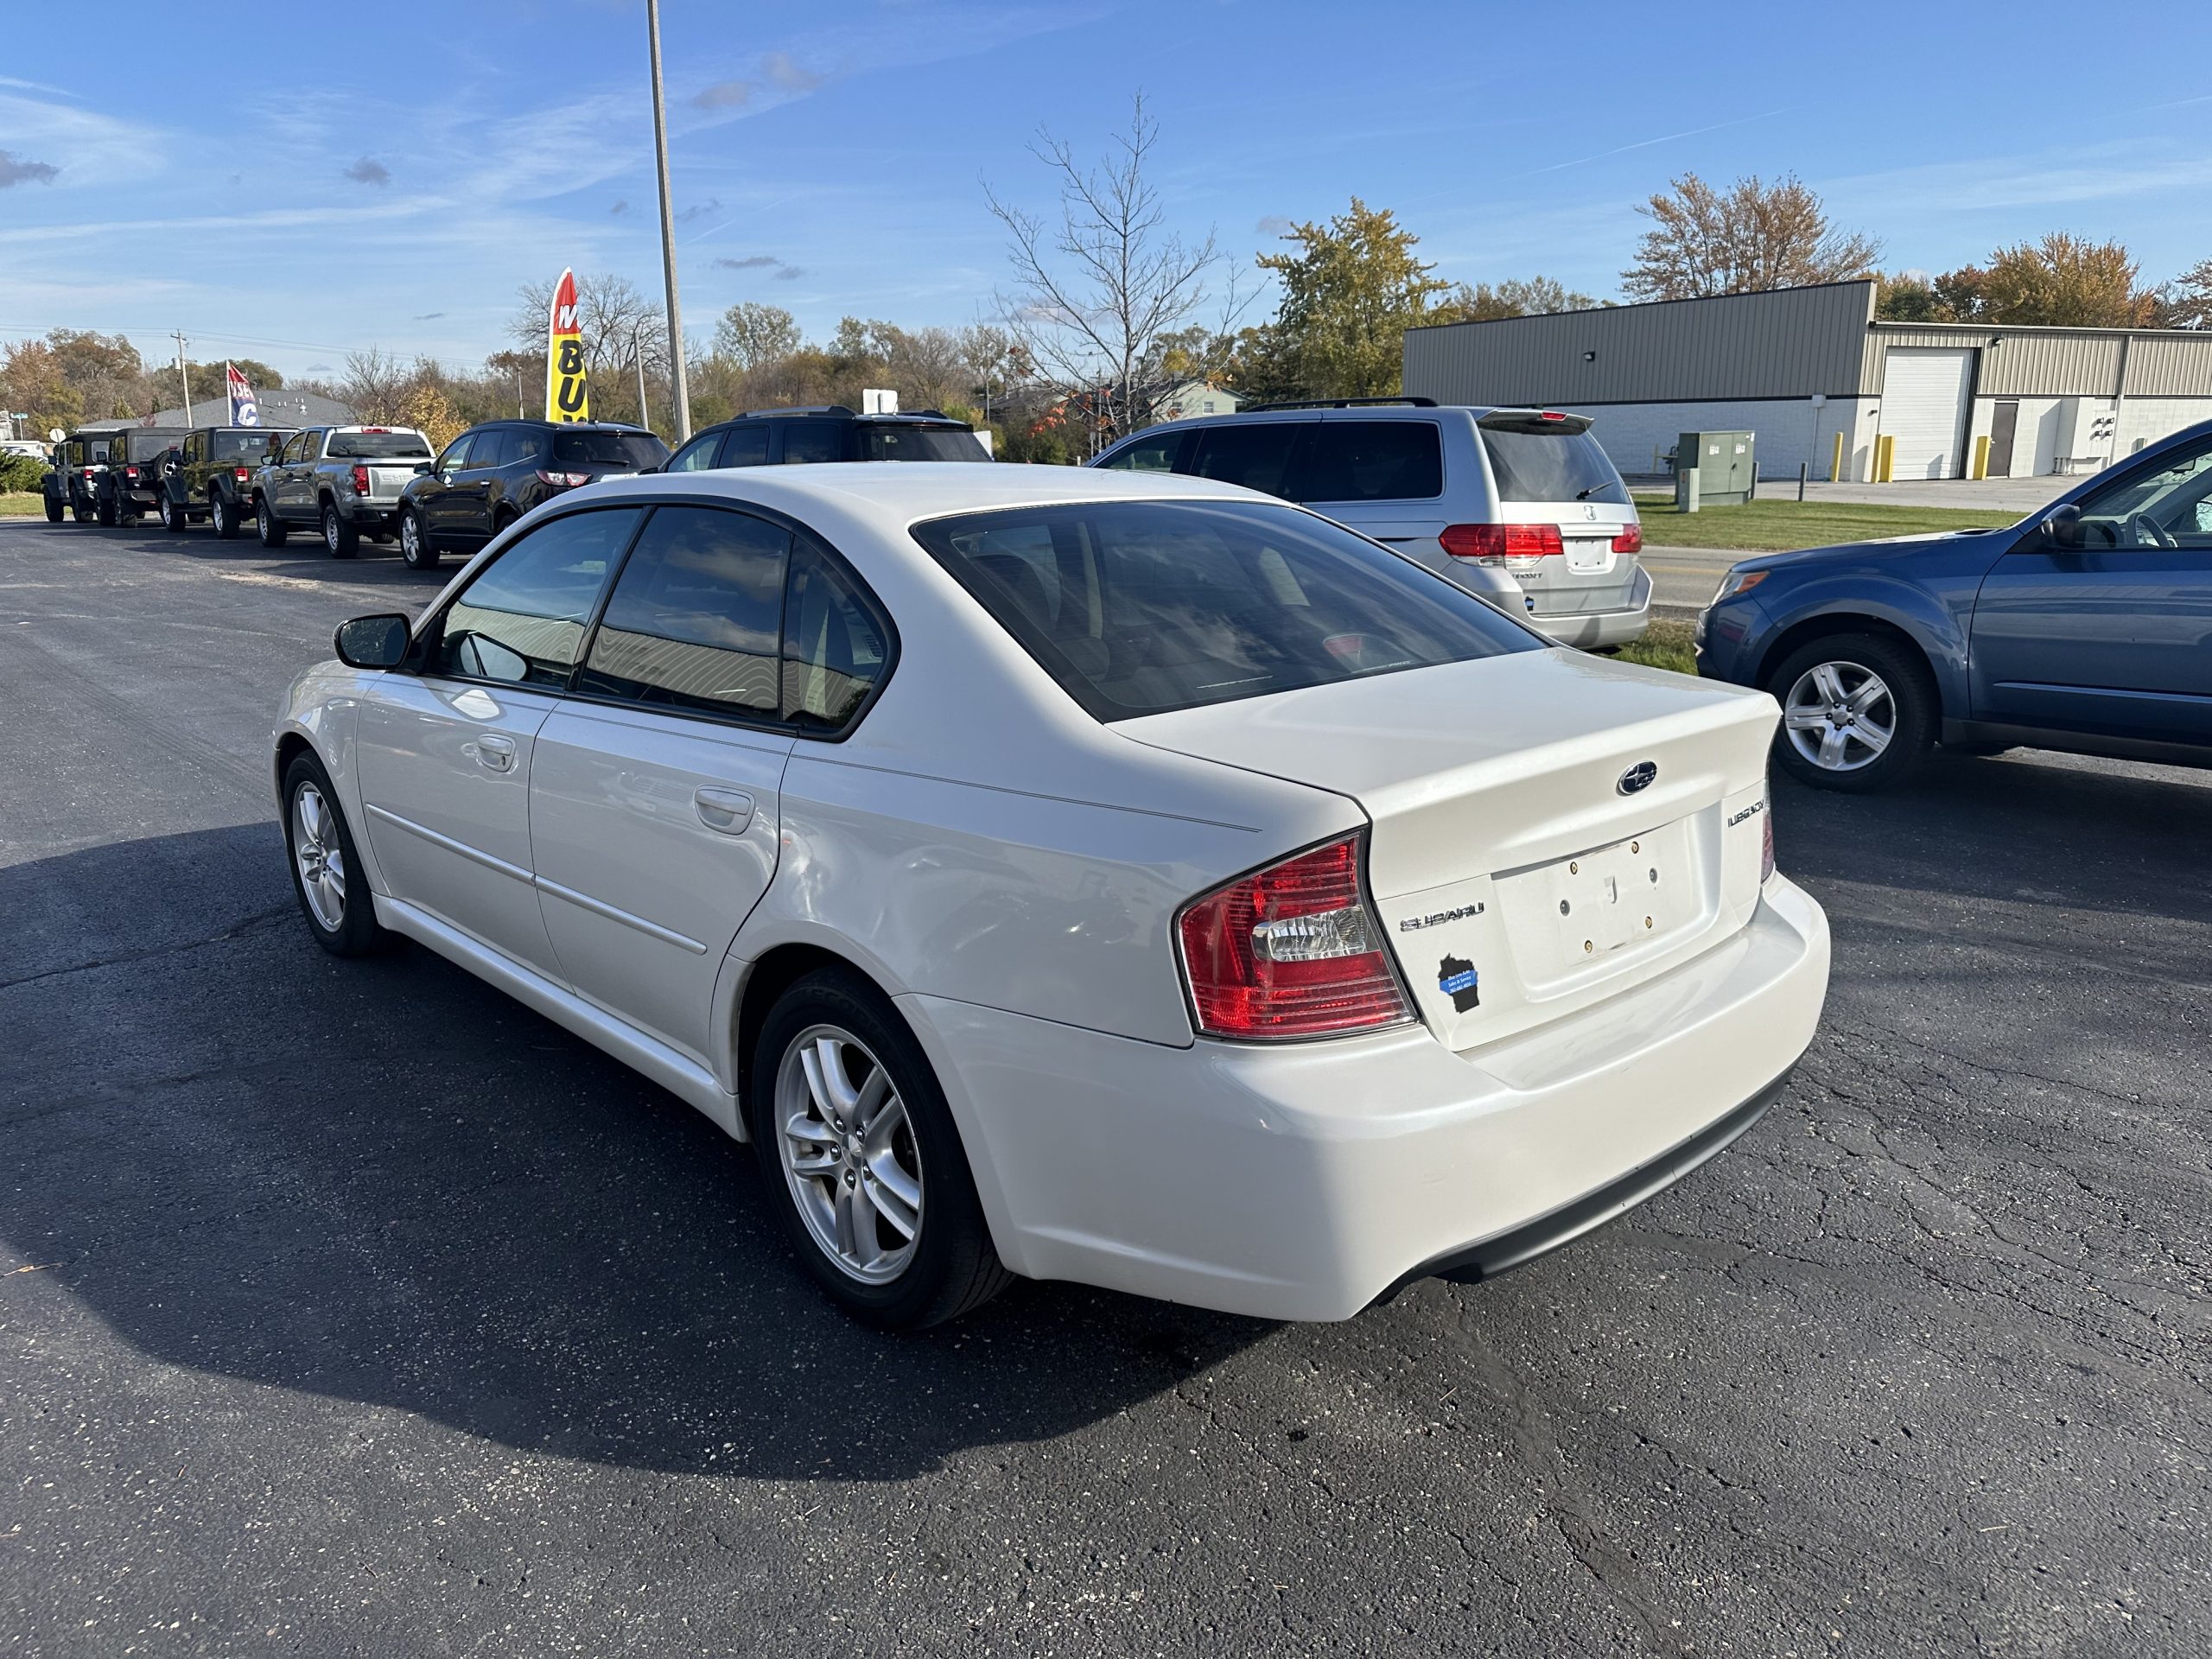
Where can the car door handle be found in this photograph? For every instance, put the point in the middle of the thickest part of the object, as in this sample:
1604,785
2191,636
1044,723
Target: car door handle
728,810
496,753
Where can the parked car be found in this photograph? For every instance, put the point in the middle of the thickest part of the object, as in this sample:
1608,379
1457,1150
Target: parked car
72,486
345,481
130,484
212,476
2086,626
777,438
1131,880
491,474
1520,506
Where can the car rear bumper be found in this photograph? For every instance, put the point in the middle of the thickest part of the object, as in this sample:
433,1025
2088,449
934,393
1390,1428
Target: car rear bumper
1304,1181
1589,629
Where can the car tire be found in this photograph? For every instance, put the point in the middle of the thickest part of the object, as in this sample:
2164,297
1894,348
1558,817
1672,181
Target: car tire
54,510
340,538
106,512
223,515
415,544
267,524
1834,693
327,879
173,518
882,1209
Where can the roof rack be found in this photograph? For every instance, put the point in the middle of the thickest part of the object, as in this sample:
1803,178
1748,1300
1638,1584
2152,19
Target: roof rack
1337,403
804,409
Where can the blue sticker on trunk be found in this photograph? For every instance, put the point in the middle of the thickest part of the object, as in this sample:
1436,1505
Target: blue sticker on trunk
1458,980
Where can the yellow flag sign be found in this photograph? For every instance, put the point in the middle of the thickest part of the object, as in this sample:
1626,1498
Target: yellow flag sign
568,396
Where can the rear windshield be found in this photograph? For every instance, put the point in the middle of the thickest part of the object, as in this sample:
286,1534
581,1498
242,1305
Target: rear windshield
378,445
144,446
1552,467
634,451
919,444
1142,607
245,446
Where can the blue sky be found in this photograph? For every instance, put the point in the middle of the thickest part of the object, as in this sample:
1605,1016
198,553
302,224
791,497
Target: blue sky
337,178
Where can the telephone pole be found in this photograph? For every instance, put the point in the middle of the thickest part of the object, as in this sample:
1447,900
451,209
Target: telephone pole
667,234
184,379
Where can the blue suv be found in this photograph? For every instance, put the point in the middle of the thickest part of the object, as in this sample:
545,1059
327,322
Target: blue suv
2088,627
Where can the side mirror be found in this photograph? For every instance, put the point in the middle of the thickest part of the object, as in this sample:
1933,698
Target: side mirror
372,641
645,472
2061,525
423,466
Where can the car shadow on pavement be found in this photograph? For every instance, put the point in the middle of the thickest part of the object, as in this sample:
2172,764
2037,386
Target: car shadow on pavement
384,1181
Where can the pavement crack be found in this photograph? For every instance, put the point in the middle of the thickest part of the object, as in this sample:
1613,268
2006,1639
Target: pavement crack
237,930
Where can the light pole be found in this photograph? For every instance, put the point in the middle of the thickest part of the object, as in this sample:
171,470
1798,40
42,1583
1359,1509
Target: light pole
667,234
184,379
638,351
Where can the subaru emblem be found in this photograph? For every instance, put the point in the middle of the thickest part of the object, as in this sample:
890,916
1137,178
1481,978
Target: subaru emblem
1638,776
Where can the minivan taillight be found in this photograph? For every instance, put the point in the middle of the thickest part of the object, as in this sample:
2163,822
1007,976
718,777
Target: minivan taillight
1630,540
1495,544
1292,950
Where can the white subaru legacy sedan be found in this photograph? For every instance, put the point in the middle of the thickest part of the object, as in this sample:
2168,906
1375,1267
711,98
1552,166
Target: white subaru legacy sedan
1127,878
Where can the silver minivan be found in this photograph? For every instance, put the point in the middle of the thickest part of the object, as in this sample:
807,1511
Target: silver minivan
1519,505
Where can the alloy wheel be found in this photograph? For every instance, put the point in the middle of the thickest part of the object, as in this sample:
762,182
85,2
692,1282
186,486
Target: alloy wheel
848,1152
1840,717
321,857
330,530
410,538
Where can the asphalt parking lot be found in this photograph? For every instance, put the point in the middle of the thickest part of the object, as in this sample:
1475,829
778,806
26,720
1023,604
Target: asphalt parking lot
349,1308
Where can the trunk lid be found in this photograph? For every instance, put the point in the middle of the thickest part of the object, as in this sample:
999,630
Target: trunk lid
1520,869
387,478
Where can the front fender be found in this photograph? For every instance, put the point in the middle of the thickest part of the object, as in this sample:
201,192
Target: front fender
1912,609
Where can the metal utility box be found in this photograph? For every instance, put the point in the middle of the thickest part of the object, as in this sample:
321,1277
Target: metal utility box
1726,462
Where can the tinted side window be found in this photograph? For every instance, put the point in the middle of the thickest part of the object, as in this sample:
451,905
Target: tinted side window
1256,456
805,441
835,646
493,449
698,455
1155,452
1371,460
746,446
694,619
456,454
522,620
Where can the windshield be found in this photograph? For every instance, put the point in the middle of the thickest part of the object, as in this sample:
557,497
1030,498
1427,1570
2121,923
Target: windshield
378,445
1552,467
246,446
919,444
620,451
1141,608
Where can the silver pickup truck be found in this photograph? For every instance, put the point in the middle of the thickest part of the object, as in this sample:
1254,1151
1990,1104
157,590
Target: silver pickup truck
343,480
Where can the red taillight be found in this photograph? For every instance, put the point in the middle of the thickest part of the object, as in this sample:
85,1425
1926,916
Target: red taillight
88,471
242,473
130,472
1549,415
1290,951
360,480
1630,540
563,481
1492,543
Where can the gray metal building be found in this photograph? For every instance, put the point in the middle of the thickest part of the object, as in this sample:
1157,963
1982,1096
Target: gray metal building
1800,366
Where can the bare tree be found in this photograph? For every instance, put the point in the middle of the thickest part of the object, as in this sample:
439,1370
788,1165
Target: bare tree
1747,239
1096,286
751,334
617,322
375,385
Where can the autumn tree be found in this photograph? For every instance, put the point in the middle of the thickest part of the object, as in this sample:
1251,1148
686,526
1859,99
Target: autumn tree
76,375
1533,297
1909,297
2186,301
1350,291
1098,280
750,333
2060,281
1747,239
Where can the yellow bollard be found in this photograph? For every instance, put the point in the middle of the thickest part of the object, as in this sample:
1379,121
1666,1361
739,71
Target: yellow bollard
1835,461
1981,457
1885,457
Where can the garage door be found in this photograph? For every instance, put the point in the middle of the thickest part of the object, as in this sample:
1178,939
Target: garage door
1924,409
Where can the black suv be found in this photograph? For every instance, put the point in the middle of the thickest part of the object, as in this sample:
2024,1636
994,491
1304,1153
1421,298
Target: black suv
73,486
785,437
132,482
214,475
491,474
